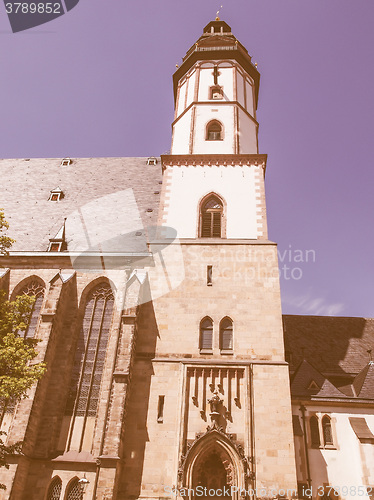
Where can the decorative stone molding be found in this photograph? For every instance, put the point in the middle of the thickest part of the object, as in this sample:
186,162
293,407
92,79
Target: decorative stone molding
217,432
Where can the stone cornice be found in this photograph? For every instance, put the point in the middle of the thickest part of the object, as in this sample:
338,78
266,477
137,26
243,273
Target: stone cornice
214,159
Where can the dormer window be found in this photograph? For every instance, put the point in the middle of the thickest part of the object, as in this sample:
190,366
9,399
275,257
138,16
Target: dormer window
214,131
152,160
56,195
66,162
216,92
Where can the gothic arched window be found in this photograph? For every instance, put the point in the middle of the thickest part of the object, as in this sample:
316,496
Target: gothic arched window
54,490
90,353
226,334
74,490
206,334
35,289
210,218
327,431
314,431
214,131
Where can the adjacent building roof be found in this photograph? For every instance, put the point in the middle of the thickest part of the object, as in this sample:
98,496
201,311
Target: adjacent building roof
335,346
127,202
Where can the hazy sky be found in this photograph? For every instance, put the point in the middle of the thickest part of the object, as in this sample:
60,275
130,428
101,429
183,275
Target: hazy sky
98,82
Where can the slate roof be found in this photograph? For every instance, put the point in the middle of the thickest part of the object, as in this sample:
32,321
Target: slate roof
119,194
333,345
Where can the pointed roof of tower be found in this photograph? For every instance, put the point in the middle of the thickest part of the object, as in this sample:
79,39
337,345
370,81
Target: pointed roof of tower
217,42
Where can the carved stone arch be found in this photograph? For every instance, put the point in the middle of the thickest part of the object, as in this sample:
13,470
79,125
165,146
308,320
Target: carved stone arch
88,289
72,491
54,489
212,449
18,289
33,286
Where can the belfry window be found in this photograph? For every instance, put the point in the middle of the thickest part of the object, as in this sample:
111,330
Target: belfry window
90,353
210,219
225,334
206,334
214,131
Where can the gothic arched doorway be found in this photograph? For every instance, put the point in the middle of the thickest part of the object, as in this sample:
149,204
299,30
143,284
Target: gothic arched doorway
213,473
215,462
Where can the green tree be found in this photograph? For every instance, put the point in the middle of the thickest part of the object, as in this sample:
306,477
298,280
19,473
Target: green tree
17,372
5,241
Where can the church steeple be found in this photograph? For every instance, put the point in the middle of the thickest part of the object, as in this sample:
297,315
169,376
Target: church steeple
216,87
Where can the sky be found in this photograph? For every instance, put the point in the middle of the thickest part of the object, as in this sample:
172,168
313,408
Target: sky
97,81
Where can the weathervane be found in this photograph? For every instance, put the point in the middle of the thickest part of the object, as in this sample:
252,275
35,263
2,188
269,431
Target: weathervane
217,14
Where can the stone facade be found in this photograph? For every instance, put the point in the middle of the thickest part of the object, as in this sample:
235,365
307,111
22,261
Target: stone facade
164,343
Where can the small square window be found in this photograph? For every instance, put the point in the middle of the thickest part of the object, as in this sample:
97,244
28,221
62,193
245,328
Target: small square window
216,92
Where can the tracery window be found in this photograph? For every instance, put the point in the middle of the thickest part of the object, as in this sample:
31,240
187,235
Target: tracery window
206,334
74,491
90,353
226,334
211,216
33,289
214,131
327,431
314,431
54,490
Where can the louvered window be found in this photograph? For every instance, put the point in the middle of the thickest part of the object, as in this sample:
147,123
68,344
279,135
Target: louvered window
206,334
226,334
90,353
211,215
33,289
327,431
214,131
54,490
74,491
314,431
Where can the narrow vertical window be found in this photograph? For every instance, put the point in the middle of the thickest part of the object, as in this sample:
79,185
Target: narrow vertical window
226,334
33,289
327,431
206,334
209,275
211,215
90,353
214,131
160,409
54,490
314,432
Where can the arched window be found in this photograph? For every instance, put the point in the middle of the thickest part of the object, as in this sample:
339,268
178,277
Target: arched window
314,431
210,218
214,131
327,431
33,289
90,353
74,491
206,334
54,490
225,334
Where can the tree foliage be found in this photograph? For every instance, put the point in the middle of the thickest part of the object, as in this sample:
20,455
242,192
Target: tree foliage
5,241
17,372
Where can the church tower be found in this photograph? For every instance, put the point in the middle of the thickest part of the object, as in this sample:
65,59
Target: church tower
210,405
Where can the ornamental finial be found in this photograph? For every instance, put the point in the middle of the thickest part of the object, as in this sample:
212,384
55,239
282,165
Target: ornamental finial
217,14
